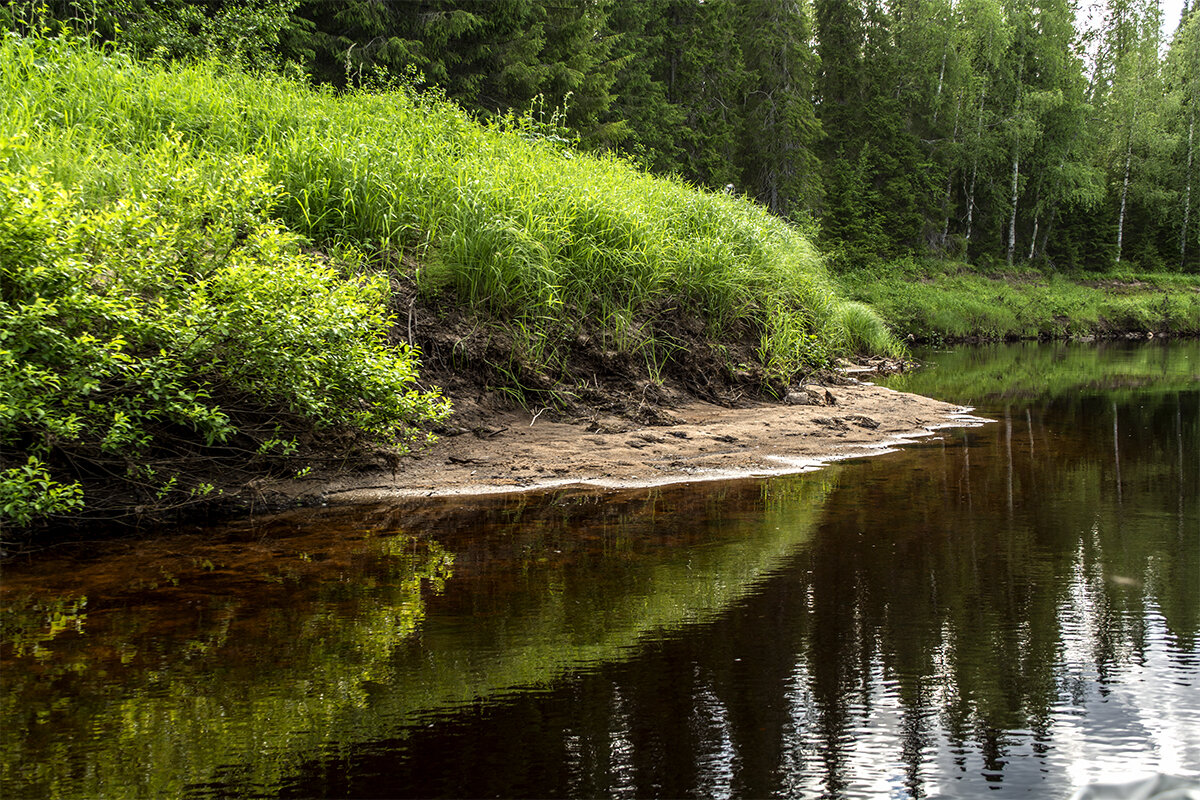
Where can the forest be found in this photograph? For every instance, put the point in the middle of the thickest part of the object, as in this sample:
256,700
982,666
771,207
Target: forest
380,379
992,132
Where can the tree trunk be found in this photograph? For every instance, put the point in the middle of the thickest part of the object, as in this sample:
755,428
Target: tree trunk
975,164
1124,197
941,77
1033,239
1016,167
947,205
1012,219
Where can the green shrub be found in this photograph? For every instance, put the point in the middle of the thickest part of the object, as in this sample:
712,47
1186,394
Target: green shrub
179,313
28,492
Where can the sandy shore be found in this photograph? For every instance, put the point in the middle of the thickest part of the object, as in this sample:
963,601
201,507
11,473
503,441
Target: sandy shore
519,451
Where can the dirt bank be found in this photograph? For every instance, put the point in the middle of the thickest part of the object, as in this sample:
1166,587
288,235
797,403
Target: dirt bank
693,441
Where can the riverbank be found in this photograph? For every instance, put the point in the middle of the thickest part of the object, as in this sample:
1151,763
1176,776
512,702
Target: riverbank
694,441
227,281
214,278
952,301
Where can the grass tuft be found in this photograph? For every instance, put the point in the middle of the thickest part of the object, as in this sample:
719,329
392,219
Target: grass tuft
865,332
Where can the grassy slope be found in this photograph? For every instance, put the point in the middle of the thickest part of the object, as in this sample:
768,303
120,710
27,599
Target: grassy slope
509,219
952,301
167,221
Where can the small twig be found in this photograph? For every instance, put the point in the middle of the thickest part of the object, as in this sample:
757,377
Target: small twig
538,414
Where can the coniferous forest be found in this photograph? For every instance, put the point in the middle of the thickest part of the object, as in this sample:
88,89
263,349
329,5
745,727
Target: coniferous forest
996,132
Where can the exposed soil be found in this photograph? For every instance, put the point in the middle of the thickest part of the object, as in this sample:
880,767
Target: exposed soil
478,362
601,419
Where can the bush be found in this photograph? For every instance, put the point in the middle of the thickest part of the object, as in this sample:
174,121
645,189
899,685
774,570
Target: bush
176,315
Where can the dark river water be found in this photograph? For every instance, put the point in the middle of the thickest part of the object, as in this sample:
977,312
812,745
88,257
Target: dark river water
1002,610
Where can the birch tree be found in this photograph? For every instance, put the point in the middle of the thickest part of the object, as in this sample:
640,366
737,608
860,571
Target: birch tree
1183,76
1131,94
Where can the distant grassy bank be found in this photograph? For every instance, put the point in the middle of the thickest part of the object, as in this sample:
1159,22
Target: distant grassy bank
201,266
933,301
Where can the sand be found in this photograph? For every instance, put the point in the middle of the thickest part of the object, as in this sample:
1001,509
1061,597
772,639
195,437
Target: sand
520,451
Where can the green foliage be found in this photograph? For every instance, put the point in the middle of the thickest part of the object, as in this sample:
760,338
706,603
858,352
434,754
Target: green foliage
865,332
28,492
255,34
502,214
983,129
131,327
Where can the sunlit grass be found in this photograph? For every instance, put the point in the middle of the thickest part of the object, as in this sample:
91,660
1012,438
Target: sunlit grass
509,221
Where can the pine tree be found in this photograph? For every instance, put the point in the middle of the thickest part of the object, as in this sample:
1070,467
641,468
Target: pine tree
640,51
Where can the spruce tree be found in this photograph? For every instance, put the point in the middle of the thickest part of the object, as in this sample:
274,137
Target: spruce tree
779,125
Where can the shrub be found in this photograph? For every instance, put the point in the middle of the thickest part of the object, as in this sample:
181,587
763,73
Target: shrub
178,315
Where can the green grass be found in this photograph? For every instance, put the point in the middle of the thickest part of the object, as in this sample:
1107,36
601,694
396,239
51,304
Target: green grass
938,301
512,222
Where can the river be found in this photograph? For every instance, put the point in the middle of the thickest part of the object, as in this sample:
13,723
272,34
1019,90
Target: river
1009,609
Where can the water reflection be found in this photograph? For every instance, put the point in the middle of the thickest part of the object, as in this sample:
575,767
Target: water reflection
177,661
205,664
1006,609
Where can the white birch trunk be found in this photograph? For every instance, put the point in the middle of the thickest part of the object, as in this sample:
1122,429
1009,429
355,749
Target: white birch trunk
1012,219
975,164
950,181
1124,197
1016,169
941,77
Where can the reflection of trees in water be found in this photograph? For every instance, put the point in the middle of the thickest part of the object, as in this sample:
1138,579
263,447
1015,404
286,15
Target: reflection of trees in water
1017,584
1031,373
181,687
769,659
1009,589
545,586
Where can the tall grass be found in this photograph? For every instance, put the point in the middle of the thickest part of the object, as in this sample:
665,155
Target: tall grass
510,221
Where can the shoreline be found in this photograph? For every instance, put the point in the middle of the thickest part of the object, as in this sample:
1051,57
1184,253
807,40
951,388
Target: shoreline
518,452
